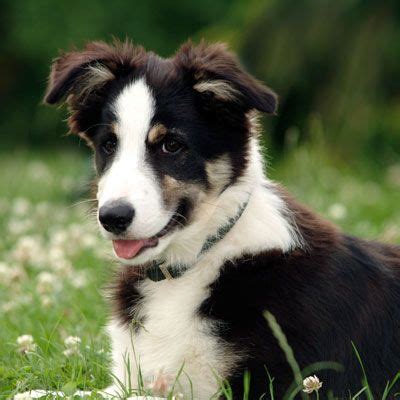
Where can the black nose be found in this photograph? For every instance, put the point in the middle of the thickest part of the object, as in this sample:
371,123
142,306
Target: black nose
116,216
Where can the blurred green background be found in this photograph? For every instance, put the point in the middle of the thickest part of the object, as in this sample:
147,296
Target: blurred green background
335,144
334,64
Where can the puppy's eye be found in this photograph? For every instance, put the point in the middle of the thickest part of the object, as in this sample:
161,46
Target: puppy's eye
109,146
171,146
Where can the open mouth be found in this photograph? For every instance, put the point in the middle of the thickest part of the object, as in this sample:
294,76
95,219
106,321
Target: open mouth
131,248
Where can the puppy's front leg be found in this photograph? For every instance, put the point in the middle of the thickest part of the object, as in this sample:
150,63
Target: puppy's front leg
124,362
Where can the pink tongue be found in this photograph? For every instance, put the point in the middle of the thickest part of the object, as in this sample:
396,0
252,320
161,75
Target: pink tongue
129,248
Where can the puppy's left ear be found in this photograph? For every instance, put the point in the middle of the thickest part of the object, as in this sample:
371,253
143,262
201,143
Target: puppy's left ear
80,79
218,73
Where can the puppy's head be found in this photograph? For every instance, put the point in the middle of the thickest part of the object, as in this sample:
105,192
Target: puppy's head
167,133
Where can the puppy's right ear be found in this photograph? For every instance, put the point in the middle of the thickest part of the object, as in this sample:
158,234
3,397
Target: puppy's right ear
78,77
77,72
218,75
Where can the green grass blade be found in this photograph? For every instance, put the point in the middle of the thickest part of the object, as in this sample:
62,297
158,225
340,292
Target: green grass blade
359,393
368,390
190,384
284,345
270,384
176,379
246,385
390,385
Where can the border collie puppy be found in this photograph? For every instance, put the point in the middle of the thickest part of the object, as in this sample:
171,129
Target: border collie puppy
207,243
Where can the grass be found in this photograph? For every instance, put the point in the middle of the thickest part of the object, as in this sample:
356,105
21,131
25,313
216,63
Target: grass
48,236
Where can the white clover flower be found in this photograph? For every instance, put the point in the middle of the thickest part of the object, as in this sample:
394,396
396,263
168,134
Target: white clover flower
72,344
26,344
46,301
56,253
28,250
11,273
79,279
16,302
337,211
57,260
72,341
23,396
59,238
70,352
37,394
39,171
19,226
9,306
311,384
21,206
89,241
107,396
47,283
4,272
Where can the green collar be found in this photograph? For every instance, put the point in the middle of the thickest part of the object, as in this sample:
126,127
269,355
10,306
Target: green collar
158,272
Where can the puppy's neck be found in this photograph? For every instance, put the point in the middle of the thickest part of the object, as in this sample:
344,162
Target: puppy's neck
264,224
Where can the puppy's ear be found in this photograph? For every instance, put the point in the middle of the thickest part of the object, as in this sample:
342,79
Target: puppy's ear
77,72
218,73
79,78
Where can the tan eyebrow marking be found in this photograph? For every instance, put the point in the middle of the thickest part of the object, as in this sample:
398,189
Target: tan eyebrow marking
114,128
157,132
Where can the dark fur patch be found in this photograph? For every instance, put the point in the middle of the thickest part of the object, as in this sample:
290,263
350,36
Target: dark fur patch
124,293
336,290
213,124
208,63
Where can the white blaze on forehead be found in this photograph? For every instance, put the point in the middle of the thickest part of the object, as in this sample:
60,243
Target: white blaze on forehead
134,109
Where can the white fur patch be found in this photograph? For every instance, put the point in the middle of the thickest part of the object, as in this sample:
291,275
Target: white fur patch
173,333
219,172
130,177
174,336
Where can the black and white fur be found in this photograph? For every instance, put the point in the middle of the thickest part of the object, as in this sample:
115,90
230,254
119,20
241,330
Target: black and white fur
325,289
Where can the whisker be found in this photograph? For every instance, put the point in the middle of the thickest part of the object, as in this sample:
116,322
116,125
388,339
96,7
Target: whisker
178,222
181,216
82,202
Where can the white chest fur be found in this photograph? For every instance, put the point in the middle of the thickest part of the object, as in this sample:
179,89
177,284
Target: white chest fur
173,335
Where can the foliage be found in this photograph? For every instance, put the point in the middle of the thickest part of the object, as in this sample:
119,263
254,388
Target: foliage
335,66
48,236
334,62
34,31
